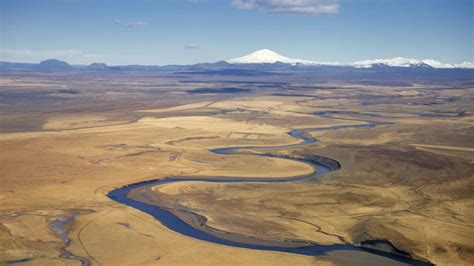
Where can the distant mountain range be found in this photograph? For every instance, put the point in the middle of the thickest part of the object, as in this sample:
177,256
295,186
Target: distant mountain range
260,62
269,57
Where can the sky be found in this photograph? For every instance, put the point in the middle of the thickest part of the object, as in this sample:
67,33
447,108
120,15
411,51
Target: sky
161,32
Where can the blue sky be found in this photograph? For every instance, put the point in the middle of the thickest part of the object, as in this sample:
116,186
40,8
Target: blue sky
188,31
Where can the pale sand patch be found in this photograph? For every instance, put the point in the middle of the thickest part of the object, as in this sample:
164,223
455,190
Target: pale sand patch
441,147
212,124
248,166
20,84
68,122
32,227
358,137
269,104
92,129
108,127
175,188
178,108
461,152
409,93
434,121
249,104
289,113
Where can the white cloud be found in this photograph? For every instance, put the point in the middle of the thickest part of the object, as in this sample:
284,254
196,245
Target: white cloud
134,24
295,7
191,46
30,55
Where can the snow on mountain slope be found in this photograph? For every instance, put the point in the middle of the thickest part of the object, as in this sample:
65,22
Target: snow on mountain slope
401,62
409,62
270,57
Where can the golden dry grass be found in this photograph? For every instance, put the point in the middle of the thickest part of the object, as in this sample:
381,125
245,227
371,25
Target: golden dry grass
75,158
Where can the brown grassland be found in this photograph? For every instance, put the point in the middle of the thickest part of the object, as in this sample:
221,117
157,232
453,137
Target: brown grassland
66,140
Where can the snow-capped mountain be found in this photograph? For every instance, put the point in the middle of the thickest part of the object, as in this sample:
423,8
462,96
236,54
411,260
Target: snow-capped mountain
266,56
402,62
269,57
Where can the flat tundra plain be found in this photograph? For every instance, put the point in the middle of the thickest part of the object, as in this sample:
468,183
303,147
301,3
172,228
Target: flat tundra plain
68,139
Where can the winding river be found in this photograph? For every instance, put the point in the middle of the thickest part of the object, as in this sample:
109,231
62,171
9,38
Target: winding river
346,253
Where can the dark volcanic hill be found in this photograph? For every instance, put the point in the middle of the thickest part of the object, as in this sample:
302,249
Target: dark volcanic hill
98,67
54,64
